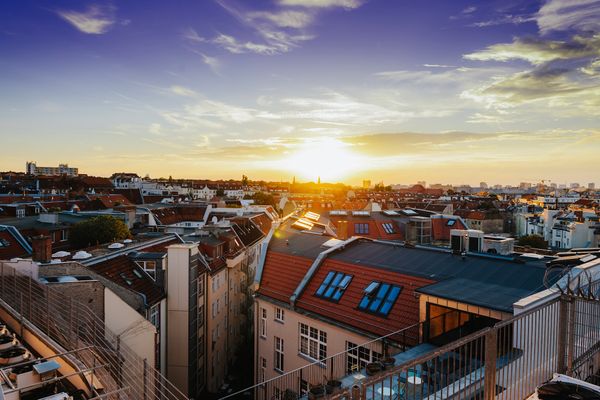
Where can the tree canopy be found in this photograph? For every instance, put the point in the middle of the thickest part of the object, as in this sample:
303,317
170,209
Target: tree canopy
98,230
535,241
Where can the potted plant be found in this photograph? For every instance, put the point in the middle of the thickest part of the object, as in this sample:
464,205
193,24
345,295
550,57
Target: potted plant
388,362
333,385
317,391
373,368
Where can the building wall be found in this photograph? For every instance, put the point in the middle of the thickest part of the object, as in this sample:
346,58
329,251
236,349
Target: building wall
134,330
178,314
289,331
217,329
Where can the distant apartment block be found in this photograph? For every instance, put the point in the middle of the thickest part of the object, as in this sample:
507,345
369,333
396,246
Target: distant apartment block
31,168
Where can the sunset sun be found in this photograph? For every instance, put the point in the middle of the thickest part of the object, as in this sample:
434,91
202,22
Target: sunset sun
328,159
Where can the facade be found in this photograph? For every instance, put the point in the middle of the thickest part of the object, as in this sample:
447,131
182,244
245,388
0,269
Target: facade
318,296
63,169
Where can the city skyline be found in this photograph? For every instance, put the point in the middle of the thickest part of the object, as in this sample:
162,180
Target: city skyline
342,89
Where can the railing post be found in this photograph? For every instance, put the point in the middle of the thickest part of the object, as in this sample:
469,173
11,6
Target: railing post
145,378
571,336
355,392
563,316
491,353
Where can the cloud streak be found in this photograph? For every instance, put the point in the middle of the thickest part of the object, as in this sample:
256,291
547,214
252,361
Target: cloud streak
95,20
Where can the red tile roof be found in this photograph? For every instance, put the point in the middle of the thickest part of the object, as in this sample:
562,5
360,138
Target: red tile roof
440,229
405,312
11,247
281,275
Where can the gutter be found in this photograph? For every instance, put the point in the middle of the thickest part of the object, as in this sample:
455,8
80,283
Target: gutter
95,260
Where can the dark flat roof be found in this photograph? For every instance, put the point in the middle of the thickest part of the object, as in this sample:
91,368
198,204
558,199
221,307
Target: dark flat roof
298,243
492,282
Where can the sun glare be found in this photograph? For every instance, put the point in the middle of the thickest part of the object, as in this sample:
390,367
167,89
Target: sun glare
328,159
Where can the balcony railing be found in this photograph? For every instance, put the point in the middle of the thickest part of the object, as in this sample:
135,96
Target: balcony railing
340,369
74,327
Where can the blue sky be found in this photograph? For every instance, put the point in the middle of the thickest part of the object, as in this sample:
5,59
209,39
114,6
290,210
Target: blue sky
450,91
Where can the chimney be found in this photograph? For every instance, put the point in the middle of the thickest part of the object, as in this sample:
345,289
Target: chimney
342,230
42,248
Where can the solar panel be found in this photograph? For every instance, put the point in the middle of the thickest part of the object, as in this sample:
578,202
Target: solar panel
334,285
390,212
338,212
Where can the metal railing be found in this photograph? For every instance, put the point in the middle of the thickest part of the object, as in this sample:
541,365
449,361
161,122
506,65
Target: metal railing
339,368
506,361
120,372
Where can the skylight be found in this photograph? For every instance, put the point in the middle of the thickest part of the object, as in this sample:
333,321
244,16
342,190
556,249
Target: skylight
312,216
360,213
303,223
334,285
379,298
388,228
451,222
390,212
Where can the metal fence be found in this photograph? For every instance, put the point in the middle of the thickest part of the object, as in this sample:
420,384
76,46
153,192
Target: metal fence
118,372
506,361
337,369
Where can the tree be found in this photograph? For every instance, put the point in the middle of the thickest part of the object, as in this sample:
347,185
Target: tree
535,241
98,230
244,181
264,199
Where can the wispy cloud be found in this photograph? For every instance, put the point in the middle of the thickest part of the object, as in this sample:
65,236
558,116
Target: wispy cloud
191,35
348,4
284,19
507,19
538,51
95,20
559,15
276,31
182,91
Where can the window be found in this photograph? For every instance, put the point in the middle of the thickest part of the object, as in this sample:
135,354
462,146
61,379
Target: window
64,235
333,286
53,236
4,243
361,228
388,228
200,315
279,314
214,309
263,369
379,298
303,387
313,342
357,357
154,315
451,222
278,354
20,213
200,285
263,322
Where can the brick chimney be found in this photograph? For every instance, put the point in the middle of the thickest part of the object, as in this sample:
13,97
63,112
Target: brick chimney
42,248
342,230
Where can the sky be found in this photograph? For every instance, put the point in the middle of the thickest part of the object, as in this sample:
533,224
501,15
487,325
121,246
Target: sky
387,90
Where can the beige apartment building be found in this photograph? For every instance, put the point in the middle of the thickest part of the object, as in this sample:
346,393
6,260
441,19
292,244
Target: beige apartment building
330,302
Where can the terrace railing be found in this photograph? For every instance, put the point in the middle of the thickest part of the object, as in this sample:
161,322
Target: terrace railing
120,372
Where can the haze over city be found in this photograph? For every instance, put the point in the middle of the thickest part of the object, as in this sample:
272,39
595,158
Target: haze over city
345,90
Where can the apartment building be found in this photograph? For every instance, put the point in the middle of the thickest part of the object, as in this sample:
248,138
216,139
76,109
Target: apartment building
31,168
320,298
209,300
